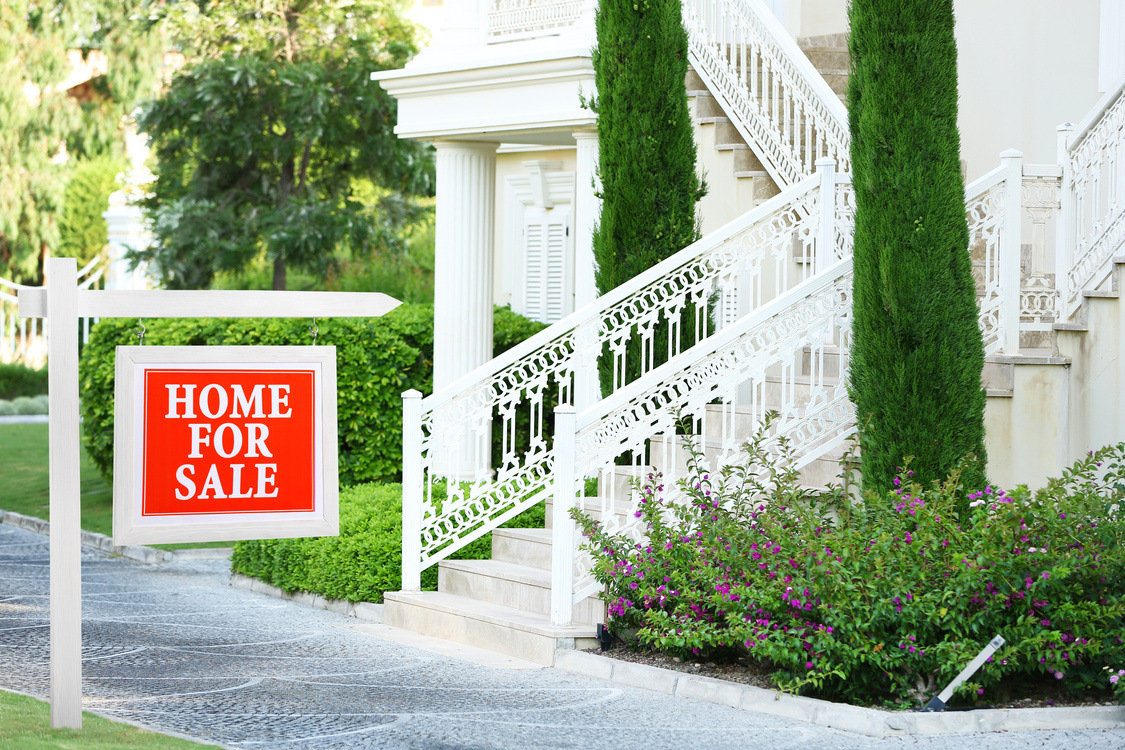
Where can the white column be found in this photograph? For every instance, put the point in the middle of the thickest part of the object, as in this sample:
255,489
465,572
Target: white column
126,230
466,177
587,211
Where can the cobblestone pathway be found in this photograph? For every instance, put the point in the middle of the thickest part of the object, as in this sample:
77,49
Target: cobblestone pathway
175,648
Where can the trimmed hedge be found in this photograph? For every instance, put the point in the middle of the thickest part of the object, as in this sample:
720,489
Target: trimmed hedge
365,559
376,360
19,380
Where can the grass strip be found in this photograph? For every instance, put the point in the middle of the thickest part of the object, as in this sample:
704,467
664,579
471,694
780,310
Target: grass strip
25,724
24,482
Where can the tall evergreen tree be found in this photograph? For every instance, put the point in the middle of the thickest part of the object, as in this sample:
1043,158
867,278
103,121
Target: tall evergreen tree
917,354
646,148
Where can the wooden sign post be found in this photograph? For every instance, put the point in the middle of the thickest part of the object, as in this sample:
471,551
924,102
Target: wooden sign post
62,303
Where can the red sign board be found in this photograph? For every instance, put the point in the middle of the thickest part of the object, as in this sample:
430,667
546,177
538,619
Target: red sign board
221,447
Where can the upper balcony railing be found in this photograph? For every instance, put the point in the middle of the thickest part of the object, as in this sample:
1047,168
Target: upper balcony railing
510,20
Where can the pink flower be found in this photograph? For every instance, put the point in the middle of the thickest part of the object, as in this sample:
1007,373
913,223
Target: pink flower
1058,675
1113,678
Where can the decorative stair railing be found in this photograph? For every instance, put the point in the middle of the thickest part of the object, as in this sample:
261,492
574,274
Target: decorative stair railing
788,355
1092,157
757,257
774,96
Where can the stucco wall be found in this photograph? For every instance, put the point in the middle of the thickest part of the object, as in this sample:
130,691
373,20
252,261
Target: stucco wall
1025,67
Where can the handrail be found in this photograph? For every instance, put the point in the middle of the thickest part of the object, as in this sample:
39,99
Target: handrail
1096,113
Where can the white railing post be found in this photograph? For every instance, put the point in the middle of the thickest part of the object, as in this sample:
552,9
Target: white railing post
562,532
826,239
1065,226
412,490
1010,247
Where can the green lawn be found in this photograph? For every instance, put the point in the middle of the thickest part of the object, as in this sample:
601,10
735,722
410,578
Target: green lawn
24,482
25,724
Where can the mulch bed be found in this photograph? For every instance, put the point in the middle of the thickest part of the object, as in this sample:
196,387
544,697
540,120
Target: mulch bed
1030,693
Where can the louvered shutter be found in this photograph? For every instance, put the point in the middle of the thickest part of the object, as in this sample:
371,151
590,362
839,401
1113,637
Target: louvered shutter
546,244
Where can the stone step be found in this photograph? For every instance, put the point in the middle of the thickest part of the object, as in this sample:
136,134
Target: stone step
817,473
530,547
510,585
592,508
513,632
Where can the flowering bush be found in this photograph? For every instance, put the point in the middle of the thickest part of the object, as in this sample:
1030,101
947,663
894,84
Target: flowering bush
1117,683
879,598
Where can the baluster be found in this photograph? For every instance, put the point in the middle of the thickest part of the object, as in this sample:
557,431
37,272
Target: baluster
1064,227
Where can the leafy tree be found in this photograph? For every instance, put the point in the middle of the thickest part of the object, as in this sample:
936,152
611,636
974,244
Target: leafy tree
267,136
917,354
44,131
646,148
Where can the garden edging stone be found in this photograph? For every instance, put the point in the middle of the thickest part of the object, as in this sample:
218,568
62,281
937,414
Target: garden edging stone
137,552
360,610
872,722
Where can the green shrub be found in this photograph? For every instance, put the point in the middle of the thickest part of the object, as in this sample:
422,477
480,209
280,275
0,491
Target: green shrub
29,405
376,360
7,409
19,380
887,598
364,560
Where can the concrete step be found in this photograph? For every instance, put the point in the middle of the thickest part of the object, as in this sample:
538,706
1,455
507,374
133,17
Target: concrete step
592,507
509,631
530,547
510,585
817,473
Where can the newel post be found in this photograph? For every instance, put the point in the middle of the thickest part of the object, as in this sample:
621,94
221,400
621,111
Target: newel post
411,491
1065,227
1010,244
562,531
826,238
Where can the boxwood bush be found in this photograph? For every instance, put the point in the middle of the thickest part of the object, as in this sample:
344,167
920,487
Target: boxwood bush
376,360
364,560
19,380
883,599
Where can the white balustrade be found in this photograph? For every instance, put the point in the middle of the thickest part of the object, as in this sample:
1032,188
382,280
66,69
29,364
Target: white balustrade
774,96
1093,162
25,341
509,20
756,252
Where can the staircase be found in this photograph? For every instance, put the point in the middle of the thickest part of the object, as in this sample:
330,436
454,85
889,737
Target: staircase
770,291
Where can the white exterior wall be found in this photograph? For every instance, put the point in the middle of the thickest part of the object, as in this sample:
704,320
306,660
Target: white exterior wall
1024,67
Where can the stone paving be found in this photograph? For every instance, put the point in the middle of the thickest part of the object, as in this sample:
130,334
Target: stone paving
175,648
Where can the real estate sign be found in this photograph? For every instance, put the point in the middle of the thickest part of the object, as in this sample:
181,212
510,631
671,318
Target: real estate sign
224,443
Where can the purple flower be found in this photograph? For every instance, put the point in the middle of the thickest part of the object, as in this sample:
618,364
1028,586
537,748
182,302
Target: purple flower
1058,675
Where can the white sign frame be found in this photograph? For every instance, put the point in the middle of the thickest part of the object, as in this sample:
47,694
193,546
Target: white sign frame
128,525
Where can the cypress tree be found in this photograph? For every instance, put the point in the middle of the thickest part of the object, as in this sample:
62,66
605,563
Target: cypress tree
646,150
917,353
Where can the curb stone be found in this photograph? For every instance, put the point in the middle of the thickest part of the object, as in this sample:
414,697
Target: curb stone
360,610
872,722
105,544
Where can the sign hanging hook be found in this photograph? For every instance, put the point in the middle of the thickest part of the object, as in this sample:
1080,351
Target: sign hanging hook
139,332
314,329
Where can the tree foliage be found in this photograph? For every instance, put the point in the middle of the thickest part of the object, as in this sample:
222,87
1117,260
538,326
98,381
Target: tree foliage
265,137
646,145
45,132
917,354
